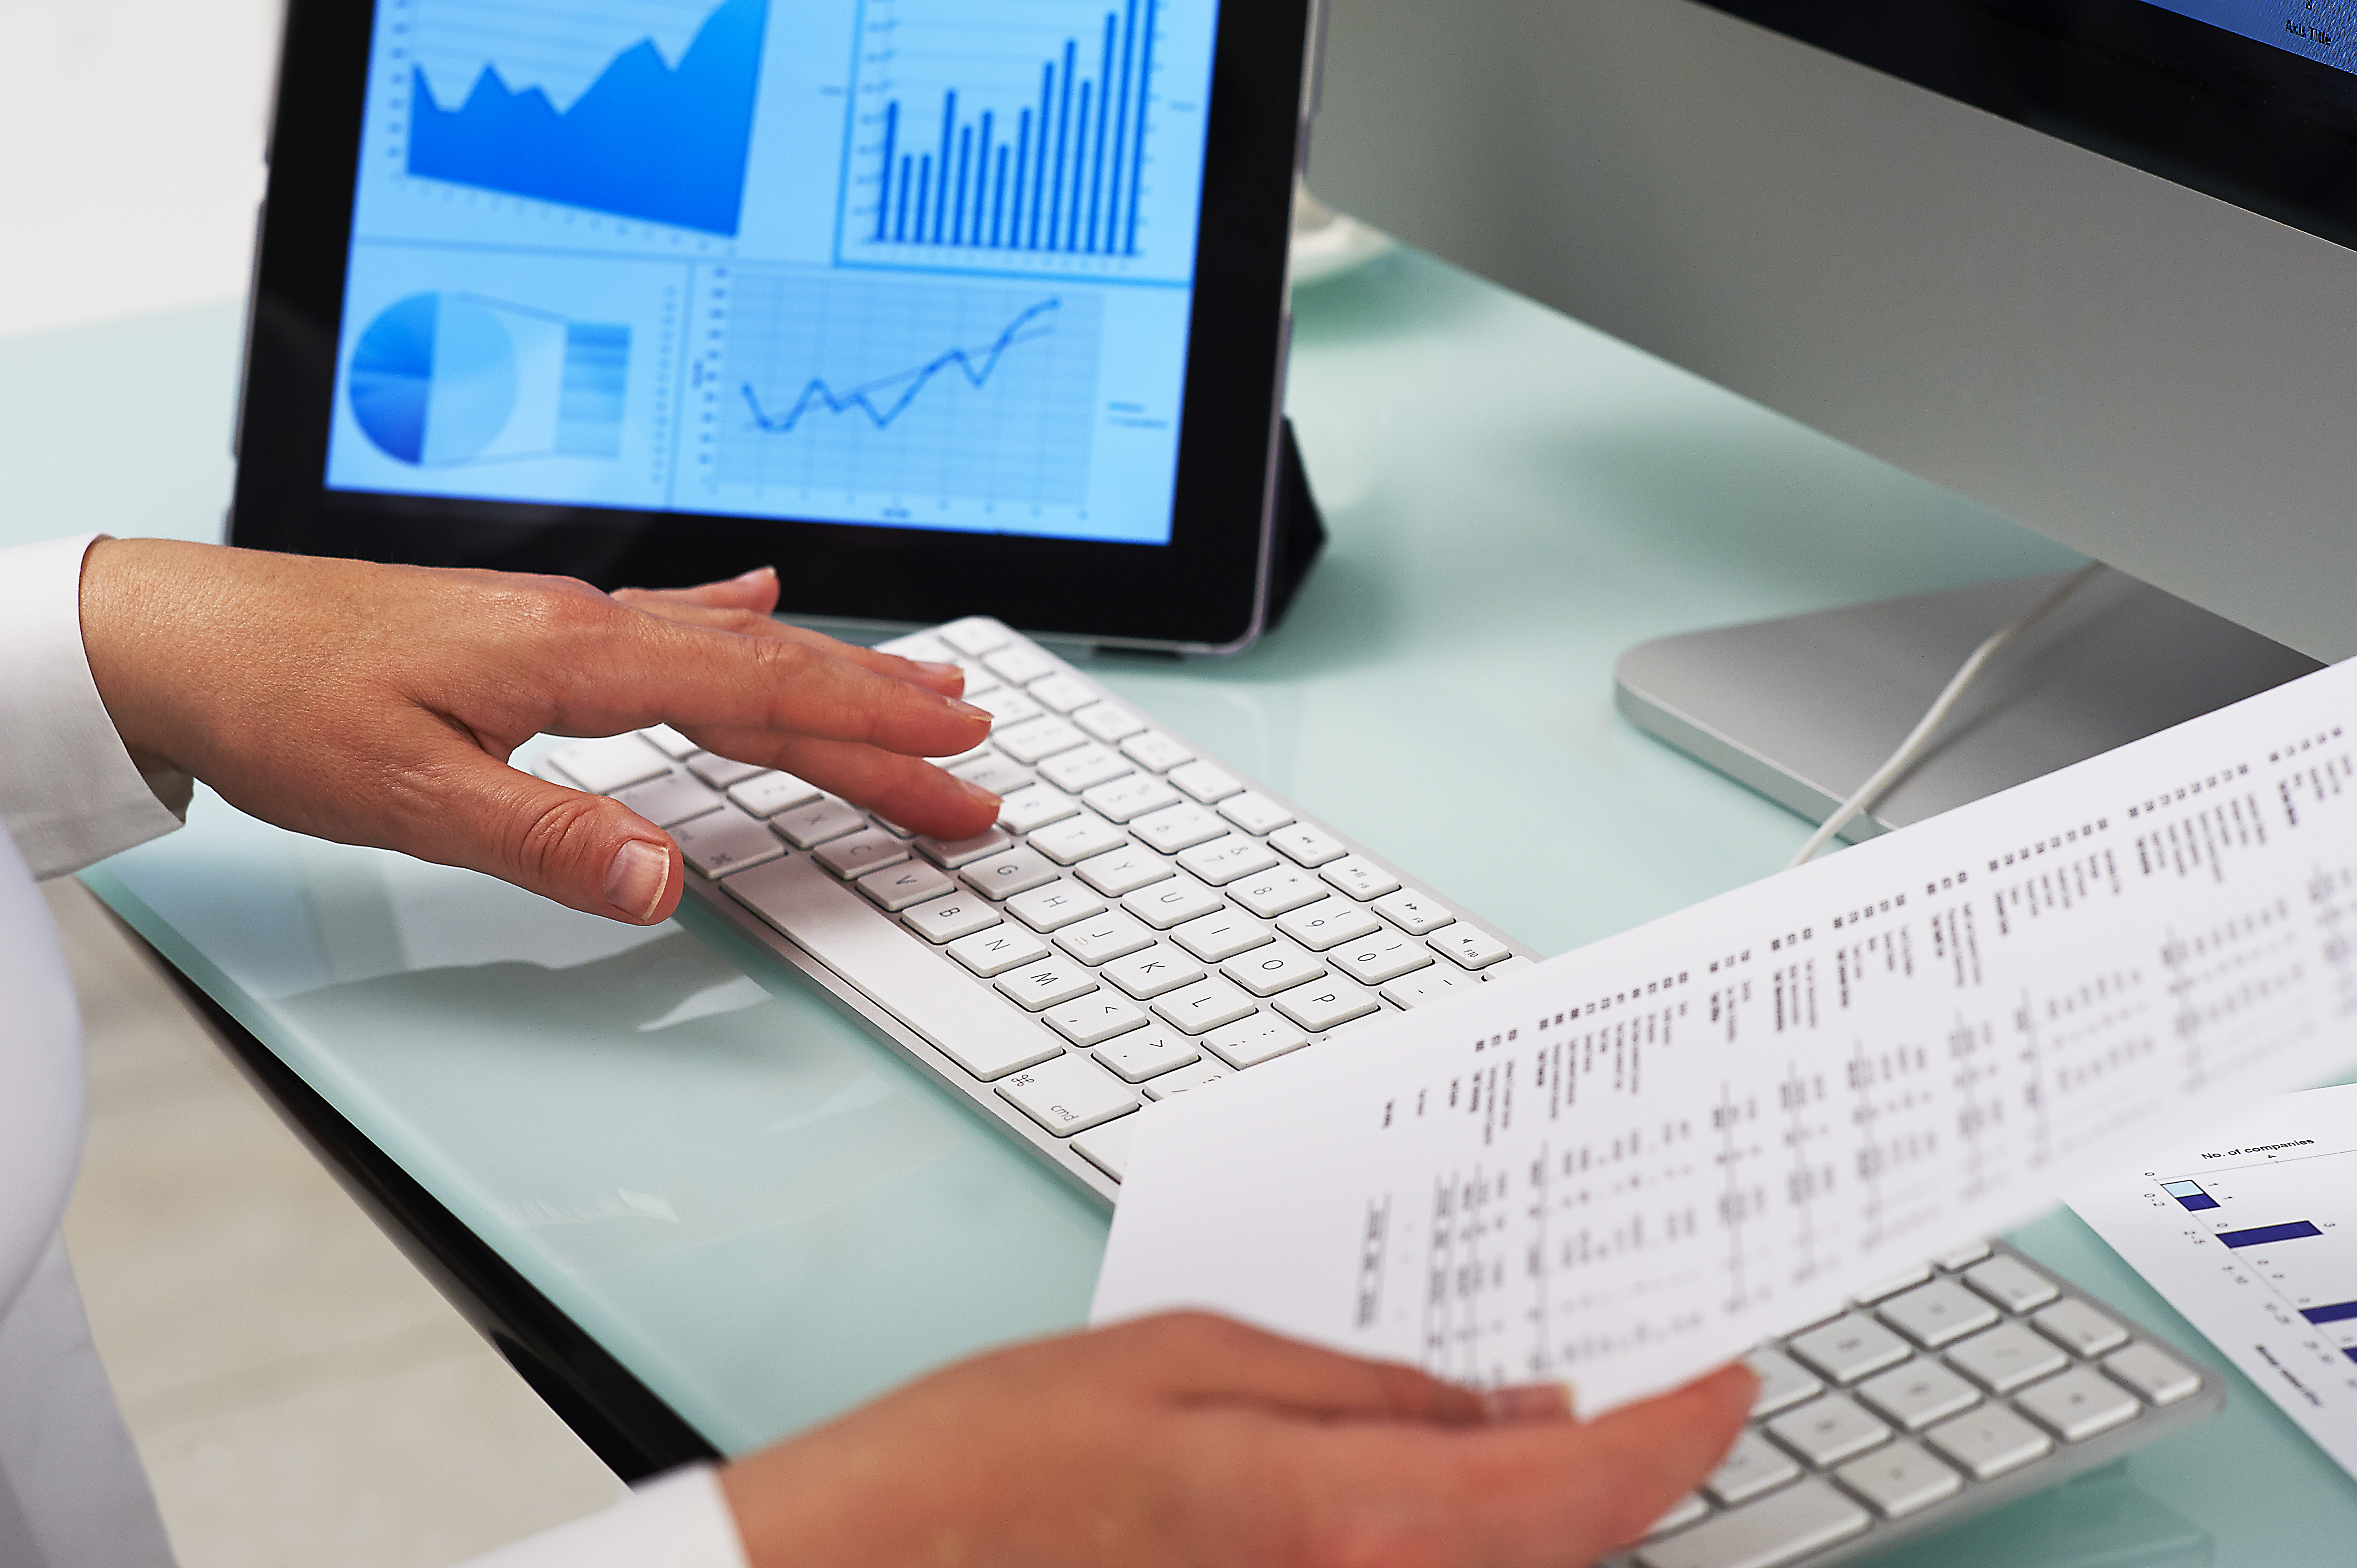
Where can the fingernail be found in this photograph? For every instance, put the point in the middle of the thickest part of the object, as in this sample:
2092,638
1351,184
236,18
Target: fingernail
979,796
1530,1402
755,575
967,709
638,878
932,667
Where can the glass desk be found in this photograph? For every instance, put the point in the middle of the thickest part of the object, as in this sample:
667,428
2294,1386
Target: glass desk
703,1173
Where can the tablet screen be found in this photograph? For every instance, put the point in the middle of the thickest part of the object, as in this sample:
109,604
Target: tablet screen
914,264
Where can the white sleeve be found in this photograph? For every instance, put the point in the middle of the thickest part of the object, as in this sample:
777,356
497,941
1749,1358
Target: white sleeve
68,792
679,1519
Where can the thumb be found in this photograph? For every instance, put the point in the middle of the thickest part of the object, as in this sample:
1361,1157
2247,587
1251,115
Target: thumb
580,849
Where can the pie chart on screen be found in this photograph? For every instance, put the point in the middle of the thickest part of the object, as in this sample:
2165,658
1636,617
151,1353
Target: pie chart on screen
434,379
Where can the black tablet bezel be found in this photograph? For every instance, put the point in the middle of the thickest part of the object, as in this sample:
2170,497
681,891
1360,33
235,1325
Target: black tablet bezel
1206,590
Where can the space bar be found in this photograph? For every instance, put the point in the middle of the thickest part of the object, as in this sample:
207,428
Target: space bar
899,974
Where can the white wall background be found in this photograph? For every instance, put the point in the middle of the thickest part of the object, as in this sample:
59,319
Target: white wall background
131,138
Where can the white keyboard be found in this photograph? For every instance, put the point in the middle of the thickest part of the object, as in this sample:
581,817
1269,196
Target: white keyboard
1142,920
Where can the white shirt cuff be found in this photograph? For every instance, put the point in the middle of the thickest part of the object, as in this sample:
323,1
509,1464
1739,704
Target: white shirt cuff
70,793
679,1519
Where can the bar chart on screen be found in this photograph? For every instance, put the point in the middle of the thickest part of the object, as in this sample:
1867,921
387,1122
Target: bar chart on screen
1025,136
2252,1234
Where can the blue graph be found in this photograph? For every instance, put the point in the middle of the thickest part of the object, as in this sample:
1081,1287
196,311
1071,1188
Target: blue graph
1059,173
440,378
978,369
647,140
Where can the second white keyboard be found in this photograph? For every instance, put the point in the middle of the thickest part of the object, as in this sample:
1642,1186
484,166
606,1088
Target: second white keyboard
1141,920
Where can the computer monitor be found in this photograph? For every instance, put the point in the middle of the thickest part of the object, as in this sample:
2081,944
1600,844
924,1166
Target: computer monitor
2081,260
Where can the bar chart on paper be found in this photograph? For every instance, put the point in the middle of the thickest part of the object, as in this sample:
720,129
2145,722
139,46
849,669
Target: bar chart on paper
2253,1236
1019,134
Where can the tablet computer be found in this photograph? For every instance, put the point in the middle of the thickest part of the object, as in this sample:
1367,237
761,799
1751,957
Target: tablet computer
936,305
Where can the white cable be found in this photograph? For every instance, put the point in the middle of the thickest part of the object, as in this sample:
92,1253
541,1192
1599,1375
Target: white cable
1918,741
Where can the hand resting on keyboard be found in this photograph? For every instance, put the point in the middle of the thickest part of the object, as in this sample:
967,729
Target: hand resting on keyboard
377,705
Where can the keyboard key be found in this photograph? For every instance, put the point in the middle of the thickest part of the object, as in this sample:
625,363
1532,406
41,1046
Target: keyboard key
1155,750
1469,946
1006,704
1512,964
2006,1357
1386,955
1255,813
614,762
1900,1480
1937,1314
1962,1256
1427,985
1221,935
2012,1283
1365,880
1076,839
1206,782
997,950
1109,722
1171,901
1828,1430
1107,1145
1210,1069
1779,1528
1682,1512
1753,1467
673,797
1041,985
1279,966
1894,1284
974,636
721,772
999,775
951,918
890,826
1069,1095
954,853
1055,905
852,853
1094,1018
2159,1377
1062,694
1177,827
718,843
1784,1382
1156,970
1259,1038
1004,876
1040,737
1223,860
1306,845
897,887
1131,797
1849,1347
1416,913
2077,1404
2078,1327
836,926
1328,923
766,794
921,645
1990,1441
1085,767
1918,1393
1327,1004
1018,665
670,742
1124,870
1274,893
1142,1054
1103,939
1202,1007
806,827
1029,810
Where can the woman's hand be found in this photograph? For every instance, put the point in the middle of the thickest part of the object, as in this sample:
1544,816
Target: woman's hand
377,705
1193,1440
